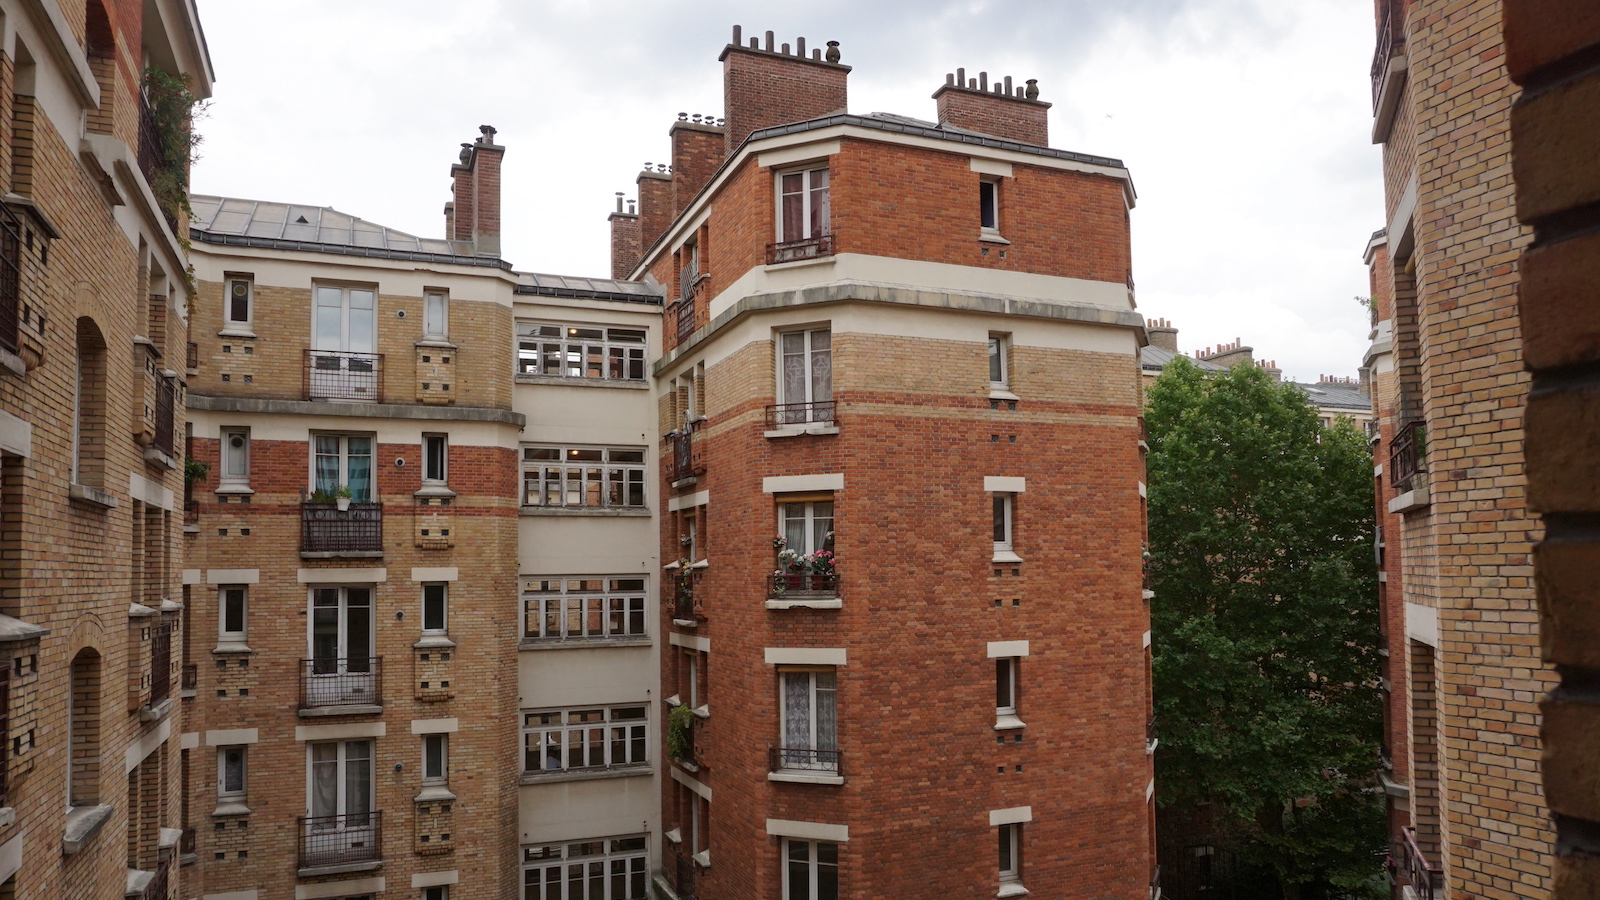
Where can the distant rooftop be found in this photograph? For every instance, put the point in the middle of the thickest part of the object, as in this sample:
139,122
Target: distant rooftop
1156,358
596,288
1332,394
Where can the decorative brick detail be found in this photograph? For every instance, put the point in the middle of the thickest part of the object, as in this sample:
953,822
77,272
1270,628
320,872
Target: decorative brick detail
434,676
436,375
435,831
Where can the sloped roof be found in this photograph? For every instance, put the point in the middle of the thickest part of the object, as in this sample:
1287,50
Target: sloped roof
291,226
573,286
1156,358
1338,396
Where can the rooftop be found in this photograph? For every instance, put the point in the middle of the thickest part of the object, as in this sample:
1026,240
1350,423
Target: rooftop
1340,396
922,128
1157,358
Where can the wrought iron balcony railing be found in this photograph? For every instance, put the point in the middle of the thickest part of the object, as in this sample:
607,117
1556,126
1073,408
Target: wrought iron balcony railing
1391,37
340,840
794,251
683,875
685,319
821,412
187,841
343,375
1408,454
685,461
1150,732
683,607
1423,876
10,279
325,528
805,759
341,681
160,663
688,277
166,403
158,888
799,585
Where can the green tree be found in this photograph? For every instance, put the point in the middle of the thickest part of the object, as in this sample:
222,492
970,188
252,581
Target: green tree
1265,626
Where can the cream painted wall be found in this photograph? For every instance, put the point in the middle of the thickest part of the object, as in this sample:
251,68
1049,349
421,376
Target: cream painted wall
574,810
598,675
587,415
274,427
599,545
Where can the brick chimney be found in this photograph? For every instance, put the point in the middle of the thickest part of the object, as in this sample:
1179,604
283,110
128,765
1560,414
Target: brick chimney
1229,355
624,240
1013,113
697,150
655,203
1270,366
764,86
1161,334
473,215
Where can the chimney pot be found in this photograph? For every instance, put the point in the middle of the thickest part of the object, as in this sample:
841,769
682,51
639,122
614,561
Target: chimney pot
961,76
786,49
755,43
769,42
633,207
816,54
800,46
619,201
738,35
1032,93
949,78
983,81
833,51
1008,84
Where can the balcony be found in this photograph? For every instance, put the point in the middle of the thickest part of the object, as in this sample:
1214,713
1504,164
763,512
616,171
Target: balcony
1155,884
682,871
328,531
5,728
1408,454
347,842
158,887
1150,735
1390,39
795,251
685,320
331,685
802,586
10,280
805,760
685,462
187,842
683,607
688,279
781,415
166,403
343,375
160,664
1423,877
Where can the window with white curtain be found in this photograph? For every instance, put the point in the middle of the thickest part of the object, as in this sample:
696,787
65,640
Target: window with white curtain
340,782
810,719
805,376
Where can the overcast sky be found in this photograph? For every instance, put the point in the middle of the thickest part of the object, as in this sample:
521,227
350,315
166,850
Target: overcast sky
1245,124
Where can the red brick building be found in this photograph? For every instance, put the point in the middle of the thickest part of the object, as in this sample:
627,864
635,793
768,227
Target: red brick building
900,405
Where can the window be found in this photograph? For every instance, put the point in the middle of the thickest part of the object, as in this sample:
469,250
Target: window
576,351
341,630
435,316
1010,854
999,344
802,205
345,319
811,870
240,303
230,773
609,869
435,450
989,206
577,477
579,739
1005,686
583,608
436,893
805,376
691,676
340,783
435,758
435,604
235,457
810,719
1002,522
343,460
806,527
231,603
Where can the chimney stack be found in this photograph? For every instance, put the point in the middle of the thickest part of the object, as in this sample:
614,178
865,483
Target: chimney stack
655,203
762,87
1161,333
1001,110
1229,355
1270,366
697,148
473,215
625,247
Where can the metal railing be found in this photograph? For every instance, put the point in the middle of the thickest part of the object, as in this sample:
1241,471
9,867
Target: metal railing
1155,884
166,402
790,585
340,840
793,251
1423,876
685,320
343,375
685,462
688,276
1390,38
5,729
1408,453
193,359
159,887
10,279
160,663
683,599
1150,731
341,681
190,677
805,759
683,875
818,412
188,841
325,528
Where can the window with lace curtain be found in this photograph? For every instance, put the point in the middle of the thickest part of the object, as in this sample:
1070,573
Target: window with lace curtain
810,720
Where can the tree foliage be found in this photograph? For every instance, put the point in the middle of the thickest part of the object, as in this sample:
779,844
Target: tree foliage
1265,624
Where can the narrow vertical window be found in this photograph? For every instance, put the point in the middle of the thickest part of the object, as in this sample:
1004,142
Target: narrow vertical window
1002,522
1010,855
989,205
998,376
436,893
436,316
235,457
435,758
231,614
230,773
435,450
434,607
239,303
1005,686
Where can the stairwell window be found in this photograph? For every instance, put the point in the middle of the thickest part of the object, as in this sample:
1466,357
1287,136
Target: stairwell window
231,604
435,455
580,351
436,316
435,759
989,206
1006,670
601,869
231,774
575,740
435,605
1003,510
999,349
583,477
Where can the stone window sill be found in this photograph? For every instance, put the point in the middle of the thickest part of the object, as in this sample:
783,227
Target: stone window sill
1410,501
434,793
434,642
1001,392
230,808
805,778
1006,556
1011,889
157,712
801,263
233,488
231,647
237,331
354,709
798,430
816,603
1008,723
642,640
442,343
991,236
83,823
584,382
92,496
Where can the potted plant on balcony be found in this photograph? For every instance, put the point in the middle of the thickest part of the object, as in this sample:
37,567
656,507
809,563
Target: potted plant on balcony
342,497
680,734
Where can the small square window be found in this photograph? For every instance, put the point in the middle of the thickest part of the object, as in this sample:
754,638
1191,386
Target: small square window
231,772
435,758
435,316
232,601
435,605
435,453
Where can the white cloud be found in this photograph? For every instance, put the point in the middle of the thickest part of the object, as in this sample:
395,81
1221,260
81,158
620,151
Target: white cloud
1244,123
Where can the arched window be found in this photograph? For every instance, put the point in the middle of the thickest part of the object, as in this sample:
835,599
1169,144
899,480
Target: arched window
83,730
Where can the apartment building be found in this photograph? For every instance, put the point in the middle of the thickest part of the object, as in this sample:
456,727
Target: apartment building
94,312
422,563
906,647
1463,672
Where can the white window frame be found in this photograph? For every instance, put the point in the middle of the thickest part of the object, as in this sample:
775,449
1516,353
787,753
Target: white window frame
616,609
619,470
810,354
436,758
813,863
992,183
342,611
809,518
999,351
809,229
593,352
693,693
442,588
814,737
234,793
342,762
1007,669
224,634
565,867
350,339
1008,844
1004,520
344,456
599,729
229,323
228,475
435,443
440,301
